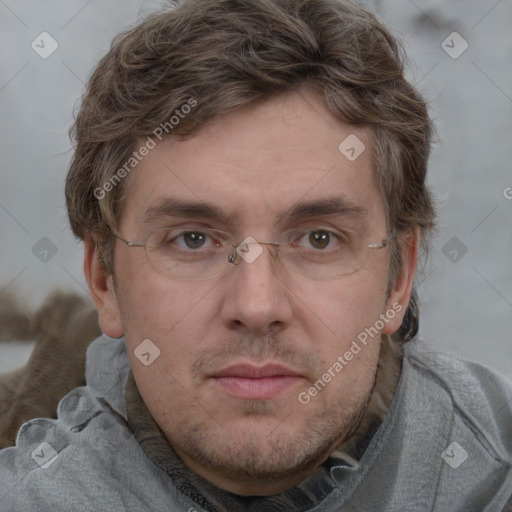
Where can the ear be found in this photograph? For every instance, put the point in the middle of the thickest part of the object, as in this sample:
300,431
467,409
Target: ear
400,295
101,288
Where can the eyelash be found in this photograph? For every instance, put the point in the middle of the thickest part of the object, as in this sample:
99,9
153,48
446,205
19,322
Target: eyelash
341,238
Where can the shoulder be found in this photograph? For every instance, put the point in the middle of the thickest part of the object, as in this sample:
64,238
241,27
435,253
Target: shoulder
479,396
60,459
87,458
447,437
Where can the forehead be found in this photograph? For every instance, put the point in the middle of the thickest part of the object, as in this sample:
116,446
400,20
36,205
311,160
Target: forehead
257,163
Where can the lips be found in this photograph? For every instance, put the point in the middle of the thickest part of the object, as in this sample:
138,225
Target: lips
254,372
251,382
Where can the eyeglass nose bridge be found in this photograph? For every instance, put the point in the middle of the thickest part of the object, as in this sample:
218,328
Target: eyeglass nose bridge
232,258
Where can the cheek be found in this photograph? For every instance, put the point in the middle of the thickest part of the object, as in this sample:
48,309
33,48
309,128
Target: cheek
153,308
349,312
169,321
149,303
346,307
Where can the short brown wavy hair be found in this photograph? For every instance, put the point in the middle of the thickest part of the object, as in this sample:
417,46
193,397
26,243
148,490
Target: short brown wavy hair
230,53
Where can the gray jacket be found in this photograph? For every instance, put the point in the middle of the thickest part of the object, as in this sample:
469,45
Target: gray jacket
445,446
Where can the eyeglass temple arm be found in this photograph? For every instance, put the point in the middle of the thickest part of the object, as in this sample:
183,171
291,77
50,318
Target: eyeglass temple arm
382,243
127,242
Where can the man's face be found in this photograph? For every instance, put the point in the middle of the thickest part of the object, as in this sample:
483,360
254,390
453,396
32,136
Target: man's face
243,424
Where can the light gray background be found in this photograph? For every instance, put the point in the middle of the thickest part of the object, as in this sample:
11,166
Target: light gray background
466,303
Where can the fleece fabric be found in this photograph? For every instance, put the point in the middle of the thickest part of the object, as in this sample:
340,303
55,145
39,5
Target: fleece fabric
445,446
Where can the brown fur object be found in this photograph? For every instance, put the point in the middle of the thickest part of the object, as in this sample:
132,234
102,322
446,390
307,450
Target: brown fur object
63,327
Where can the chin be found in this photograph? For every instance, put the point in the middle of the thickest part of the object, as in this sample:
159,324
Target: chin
260,446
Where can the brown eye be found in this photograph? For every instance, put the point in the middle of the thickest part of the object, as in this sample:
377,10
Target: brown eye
319,239
194,239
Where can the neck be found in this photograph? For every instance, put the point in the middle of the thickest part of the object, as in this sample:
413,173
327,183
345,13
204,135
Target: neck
252,485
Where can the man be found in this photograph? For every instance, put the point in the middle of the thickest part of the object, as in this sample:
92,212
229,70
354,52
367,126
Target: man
249,183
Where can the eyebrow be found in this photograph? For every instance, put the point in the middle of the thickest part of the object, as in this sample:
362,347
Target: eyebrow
173,207
320,208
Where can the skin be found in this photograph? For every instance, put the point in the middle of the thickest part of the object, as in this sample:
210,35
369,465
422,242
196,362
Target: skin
259,160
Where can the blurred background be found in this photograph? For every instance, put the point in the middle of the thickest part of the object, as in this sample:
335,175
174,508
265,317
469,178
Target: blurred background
459,57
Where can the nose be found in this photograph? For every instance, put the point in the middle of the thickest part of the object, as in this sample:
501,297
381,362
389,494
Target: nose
257,298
